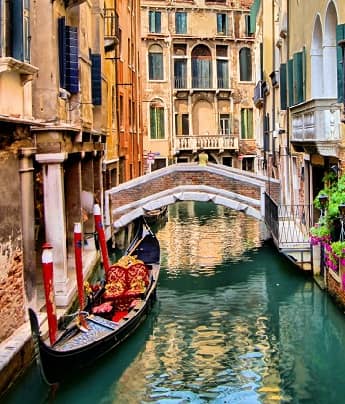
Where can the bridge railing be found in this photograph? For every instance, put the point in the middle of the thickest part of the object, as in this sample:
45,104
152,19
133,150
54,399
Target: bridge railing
210,142
289,224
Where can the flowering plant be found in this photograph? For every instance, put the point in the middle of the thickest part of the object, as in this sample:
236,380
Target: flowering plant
338,249
320,232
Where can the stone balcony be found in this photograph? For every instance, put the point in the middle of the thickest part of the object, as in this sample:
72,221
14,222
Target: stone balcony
315,126
220,143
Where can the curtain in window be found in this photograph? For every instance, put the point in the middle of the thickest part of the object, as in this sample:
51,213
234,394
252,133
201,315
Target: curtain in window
156,122
247,123
223,74
155,66
181,23
245,65
201,72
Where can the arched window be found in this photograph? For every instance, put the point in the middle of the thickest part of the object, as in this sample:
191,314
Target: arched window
245,64
156,120
201,67
156,63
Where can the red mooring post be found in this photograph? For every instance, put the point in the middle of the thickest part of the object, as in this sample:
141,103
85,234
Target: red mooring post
101,236
48,273
78,255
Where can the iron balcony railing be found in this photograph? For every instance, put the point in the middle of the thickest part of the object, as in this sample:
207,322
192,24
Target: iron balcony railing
209,142
289,224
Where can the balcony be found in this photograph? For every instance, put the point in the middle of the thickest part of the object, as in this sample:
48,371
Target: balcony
315,127
209,142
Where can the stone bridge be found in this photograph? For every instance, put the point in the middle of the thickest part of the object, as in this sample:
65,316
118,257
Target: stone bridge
222,185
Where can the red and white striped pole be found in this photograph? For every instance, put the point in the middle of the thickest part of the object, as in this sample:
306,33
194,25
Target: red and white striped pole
78,255
48,280
101,236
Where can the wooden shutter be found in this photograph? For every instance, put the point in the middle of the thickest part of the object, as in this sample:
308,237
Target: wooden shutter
96,79
298,81
282,87
72,71
340,67
290,82
62,51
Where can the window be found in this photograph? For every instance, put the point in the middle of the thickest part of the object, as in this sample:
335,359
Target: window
181,23
96,79
245,64
201,67
224,124
156,121
180,73
248,164
247,123
19,26
68,56
222,24
155,63
222,73
155,22
182,124
227,161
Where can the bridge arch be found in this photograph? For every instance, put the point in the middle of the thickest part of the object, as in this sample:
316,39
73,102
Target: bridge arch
222,185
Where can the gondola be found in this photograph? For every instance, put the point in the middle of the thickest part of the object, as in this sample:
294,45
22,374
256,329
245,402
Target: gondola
114,310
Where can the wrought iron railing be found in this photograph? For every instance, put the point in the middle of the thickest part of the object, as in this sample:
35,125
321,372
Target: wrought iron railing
289,224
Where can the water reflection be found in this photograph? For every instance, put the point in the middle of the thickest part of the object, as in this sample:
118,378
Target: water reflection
234,323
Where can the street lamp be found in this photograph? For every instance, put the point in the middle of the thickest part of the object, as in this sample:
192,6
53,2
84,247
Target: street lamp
341,43
323,199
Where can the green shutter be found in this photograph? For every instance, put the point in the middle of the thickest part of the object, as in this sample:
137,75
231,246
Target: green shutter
282,87
290,82
253,14
298,82
340,72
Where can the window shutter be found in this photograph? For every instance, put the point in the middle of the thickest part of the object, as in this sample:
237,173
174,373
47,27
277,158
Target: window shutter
298,81
290,82
26,30
72,72
340,67
245,65
62,51
96,79
282,86
254,9
17,29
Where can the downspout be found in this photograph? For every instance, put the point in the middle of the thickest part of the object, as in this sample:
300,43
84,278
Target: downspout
26,170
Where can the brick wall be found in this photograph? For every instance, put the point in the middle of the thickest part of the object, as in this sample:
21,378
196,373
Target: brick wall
336,291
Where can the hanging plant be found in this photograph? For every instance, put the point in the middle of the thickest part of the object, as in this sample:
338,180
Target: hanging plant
320,232
338,249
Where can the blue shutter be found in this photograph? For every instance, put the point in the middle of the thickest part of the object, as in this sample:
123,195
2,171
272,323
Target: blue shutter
17,29
72,72
254,9
290,82
298,77
96,79
340,67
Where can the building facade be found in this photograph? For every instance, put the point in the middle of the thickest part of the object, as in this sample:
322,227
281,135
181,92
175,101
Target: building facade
197,64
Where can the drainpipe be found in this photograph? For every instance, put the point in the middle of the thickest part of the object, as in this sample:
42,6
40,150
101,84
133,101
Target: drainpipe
26,170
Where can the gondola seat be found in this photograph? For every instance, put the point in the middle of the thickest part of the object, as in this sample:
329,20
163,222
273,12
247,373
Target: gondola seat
126,284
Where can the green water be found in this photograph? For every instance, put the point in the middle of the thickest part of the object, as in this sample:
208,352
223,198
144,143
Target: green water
234,323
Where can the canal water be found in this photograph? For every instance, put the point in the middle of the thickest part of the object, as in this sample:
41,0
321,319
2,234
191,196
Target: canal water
235,322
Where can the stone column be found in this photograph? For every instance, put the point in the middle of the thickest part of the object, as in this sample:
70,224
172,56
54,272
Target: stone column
26,171
54,219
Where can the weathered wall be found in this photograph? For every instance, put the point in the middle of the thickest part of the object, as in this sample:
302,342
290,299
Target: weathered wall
11,260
